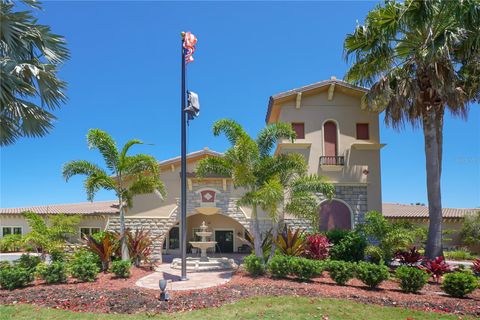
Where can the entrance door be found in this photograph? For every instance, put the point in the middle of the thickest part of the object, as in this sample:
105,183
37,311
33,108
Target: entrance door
224,240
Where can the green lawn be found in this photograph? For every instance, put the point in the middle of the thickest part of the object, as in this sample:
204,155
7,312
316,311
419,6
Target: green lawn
256,308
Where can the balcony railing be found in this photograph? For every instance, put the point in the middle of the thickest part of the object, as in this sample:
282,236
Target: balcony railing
332,160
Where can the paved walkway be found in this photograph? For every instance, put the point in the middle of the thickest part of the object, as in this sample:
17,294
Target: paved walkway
196,280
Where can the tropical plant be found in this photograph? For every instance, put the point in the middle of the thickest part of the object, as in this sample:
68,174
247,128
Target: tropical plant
290,242
410,257
459,284
476,267
139,244
317,246
350,248
436,268
391,237
265,178
420,59
374,254
336,235
49,237
470,232
411,279
129,175
11,243
371,274
30,59
104,247
267,240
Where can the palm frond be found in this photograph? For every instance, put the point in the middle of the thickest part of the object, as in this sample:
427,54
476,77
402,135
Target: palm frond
230,128
103,142
127,147
271,134
81,167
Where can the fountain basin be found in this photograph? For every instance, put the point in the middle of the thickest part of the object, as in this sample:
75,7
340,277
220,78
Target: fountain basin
211,264
203,245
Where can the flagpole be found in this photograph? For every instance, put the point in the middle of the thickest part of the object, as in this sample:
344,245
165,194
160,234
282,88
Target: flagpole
183,204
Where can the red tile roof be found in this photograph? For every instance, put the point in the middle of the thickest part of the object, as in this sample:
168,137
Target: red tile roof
396,210
84,208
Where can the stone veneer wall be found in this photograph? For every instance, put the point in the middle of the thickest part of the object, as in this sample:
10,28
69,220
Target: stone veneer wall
354,196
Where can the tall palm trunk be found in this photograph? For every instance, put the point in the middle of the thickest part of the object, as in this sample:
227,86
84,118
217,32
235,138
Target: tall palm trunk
123,239
257,237
434,241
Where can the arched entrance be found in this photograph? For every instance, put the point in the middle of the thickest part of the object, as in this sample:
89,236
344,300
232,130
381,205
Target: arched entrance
335,214
228,232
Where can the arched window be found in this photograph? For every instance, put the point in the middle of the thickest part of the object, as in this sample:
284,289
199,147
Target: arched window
335,214
330,139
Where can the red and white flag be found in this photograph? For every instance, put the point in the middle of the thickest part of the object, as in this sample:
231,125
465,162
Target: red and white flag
189,42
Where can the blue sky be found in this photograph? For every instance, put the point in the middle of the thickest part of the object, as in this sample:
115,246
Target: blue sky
124,77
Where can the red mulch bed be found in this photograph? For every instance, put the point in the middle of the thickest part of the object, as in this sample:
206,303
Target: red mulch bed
110,295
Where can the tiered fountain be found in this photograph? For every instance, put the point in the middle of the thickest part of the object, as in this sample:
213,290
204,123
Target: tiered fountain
204,263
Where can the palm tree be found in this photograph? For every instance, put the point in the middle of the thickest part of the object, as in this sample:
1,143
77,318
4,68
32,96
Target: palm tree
30,55
252,167
127,175
420,58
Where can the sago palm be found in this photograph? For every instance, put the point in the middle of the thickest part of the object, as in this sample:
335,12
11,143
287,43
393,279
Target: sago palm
420,58
126,175
252,167
30,55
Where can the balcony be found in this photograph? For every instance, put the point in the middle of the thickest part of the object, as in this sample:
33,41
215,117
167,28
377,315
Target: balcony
332,160
332,163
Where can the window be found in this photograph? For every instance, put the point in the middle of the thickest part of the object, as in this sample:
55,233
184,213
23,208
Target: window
88,231
11,230
174,238
362,131
299,128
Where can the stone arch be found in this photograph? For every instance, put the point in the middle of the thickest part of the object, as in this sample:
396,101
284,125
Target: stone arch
335,213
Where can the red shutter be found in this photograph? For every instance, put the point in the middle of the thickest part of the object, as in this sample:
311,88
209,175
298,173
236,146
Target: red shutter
299,129
362,131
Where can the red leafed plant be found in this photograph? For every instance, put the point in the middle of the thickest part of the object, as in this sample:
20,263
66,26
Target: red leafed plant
476,267
317,247
139,243
103,244
436,267
410,257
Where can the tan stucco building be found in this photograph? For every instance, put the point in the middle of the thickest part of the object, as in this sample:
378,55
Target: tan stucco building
338,139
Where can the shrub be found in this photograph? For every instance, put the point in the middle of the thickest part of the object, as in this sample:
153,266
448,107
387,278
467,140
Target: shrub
459,284
410,257
374,254
139,245
350,248
254,265
121,268
336,235
461,254
54,272
476,267
57,256
290,243
317,247
84,268
412,279
436,268
371,274
12,277
279,266
11,243
28,262
304,269
341,271
471,229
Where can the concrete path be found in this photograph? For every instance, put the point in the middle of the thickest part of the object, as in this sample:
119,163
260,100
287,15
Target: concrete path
196,280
